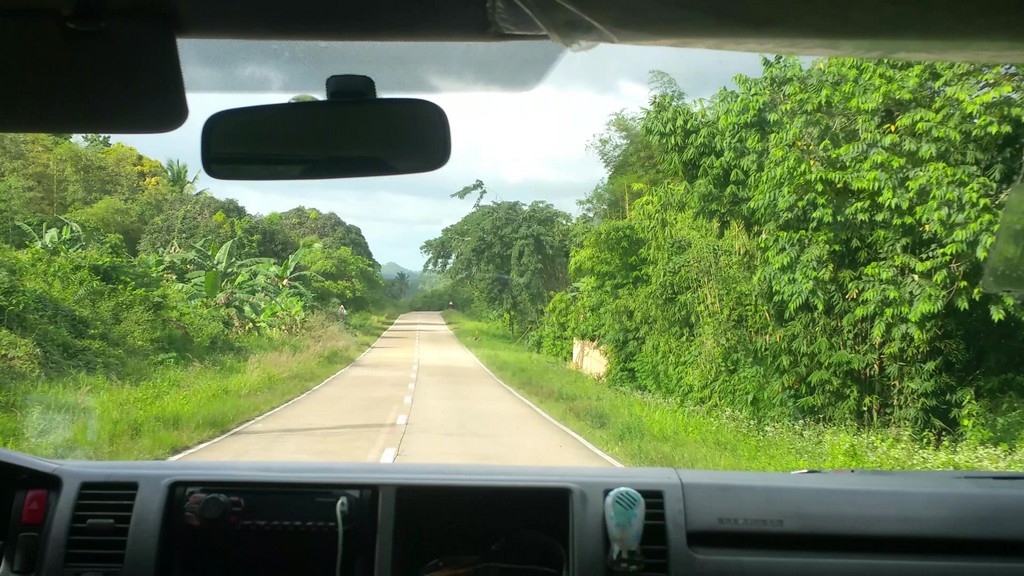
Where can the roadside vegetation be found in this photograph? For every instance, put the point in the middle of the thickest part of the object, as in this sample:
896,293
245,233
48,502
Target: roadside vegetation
140,314
175,406
643,429
789,273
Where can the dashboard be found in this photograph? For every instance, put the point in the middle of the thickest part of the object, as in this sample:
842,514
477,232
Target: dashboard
76,518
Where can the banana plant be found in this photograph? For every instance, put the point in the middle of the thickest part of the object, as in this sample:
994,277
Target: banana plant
217,276
285,312
287,274
255,292
68,238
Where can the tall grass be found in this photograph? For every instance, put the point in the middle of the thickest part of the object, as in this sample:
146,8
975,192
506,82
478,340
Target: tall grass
643,430
173,407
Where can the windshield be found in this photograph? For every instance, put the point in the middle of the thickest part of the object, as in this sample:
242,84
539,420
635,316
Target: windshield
635,256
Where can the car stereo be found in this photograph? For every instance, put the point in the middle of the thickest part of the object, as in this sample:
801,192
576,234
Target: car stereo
262,530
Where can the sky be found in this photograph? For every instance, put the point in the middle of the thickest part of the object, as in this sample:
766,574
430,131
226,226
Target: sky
519,130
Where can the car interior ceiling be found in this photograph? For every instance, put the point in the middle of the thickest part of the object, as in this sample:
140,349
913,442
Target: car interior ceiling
941,28
94,48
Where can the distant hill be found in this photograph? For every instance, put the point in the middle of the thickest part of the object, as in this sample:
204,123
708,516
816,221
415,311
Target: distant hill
418,281
391,269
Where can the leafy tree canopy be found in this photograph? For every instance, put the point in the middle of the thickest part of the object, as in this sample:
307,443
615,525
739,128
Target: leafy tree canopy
513,255
811,243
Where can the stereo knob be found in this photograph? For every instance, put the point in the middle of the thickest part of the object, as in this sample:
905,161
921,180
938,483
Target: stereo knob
210,509
214,507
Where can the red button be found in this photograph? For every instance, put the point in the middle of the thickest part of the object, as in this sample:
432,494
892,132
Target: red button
33,511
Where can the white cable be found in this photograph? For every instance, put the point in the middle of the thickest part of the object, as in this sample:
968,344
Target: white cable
339,511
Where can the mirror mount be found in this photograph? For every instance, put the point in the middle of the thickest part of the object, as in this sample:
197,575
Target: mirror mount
350,87
86,16
344,87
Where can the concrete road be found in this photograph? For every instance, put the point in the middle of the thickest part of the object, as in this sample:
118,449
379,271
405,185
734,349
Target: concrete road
417,395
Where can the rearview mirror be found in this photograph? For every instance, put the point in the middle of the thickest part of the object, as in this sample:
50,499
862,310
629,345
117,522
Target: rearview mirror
326,139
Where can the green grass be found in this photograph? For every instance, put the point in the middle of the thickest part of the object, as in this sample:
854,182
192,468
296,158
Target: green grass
174,407
641,430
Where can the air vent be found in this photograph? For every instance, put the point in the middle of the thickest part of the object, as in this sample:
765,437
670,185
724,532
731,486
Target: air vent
654,544
99,527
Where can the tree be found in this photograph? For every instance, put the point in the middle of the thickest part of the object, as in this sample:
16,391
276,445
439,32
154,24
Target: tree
103,185
399,285
300,223
341,277
187,219
106,268
810,243
96,141
114,215
178,177
512,255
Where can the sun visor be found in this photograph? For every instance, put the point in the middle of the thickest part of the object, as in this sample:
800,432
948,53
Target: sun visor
912,29
116,75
